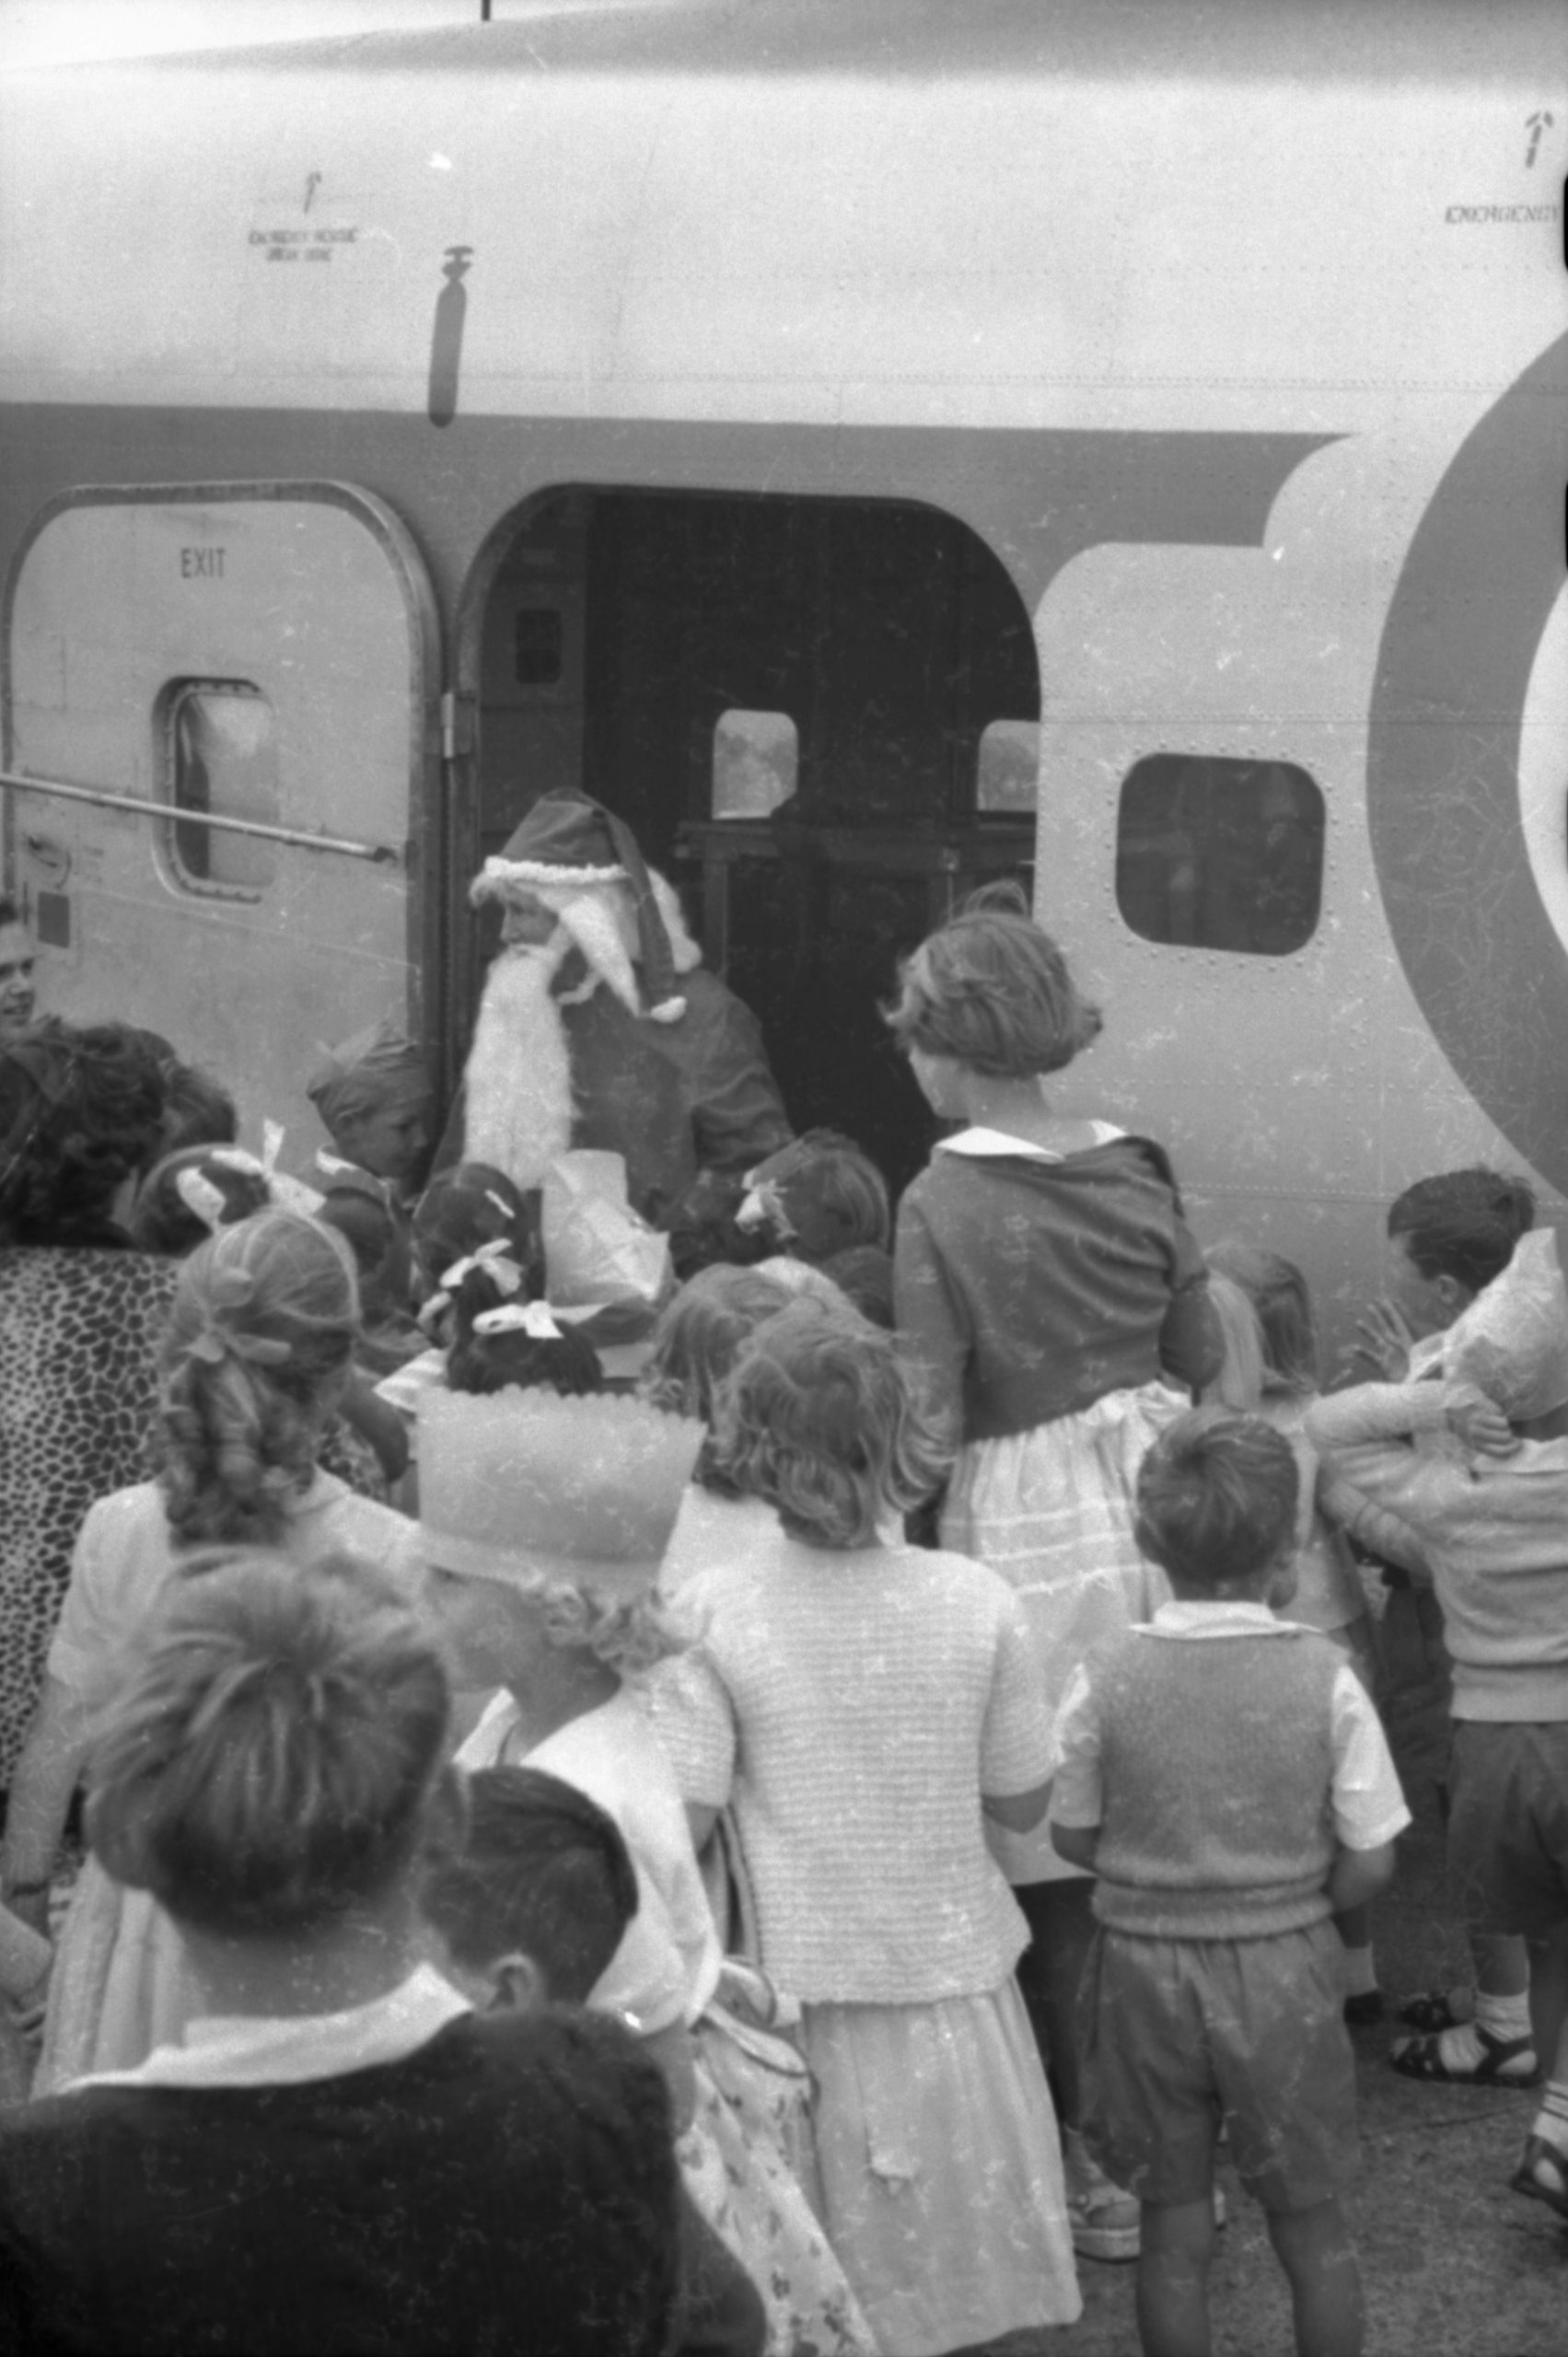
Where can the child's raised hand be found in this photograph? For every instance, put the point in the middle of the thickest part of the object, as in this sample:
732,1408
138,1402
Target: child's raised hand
1478,1423
1381,1352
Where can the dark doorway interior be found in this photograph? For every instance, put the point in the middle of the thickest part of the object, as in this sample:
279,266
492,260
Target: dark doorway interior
817,714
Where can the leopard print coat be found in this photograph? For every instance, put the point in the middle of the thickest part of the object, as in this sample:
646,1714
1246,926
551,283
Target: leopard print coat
79,1330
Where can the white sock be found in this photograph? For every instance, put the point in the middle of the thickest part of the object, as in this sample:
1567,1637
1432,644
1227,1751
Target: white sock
1359,1971
1550,2122
1505,2017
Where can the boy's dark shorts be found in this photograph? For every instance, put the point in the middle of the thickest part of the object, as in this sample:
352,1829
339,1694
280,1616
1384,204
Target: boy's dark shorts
1508,1824
1181,2034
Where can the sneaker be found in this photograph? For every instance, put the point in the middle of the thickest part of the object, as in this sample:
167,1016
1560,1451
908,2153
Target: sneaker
1104,2220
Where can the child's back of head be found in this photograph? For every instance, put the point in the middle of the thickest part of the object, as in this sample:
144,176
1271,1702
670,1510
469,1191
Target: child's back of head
265,1770
198,1110
473,1205
500,1340
817,1196
261,1333
824,1418
544,1874
703,1330
992,992
1277,1290
191,1194
1217,1497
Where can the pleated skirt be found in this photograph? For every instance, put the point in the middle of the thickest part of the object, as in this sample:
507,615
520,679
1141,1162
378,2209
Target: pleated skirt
1052,1511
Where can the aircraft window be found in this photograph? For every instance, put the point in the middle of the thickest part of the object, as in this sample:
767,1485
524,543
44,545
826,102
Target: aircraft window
756,763
222,758
1008,769
1220,854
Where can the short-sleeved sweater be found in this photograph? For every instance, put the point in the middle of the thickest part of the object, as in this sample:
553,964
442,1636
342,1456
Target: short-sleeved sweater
852,1708
1032,1286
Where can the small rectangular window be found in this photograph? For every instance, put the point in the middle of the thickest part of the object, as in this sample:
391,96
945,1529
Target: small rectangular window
756,763
1008,771
1220,854
221,755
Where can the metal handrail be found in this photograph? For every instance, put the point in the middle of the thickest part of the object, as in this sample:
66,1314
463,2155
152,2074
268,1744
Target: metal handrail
384,853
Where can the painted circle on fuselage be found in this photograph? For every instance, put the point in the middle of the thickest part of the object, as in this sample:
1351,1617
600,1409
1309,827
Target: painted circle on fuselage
1479,944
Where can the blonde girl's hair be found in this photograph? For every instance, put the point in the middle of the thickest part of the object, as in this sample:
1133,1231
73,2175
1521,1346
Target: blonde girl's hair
267,1764
993,992
824,1418
628,1633
263,1323
700,1332
1277,1290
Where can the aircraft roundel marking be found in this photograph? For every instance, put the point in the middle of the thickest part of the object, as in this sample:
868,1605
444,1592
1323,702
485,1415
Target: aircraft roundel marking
1477,589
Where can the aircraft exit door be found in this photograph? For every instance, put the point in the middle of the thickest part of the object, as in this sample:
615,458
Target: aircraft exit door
818,715
221,715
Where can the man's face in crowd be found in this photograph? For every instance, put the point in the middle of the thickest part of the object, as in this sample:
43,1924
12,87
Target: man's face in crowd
526,922
17,994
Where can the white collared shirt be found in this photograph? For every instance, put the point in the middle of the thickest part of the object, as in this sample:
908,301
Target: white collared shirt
982,1142
271,2050
1366,1804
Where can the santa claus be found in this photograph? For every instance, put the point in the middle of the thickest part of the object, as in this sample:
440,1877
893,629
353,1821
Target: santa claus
599,1025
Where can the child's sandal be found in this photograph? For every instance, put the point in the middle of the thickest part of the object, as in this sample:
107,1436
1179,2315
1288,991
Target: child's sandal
1542,2175
1504,2062
1434,2010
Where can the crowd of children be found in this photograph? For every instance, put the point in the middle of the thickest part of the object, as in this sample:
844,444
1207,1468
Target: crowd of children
786,1834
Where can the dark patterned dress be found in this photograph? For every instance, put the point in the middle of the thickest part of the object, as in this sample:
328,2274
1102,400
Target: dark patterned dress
79,1329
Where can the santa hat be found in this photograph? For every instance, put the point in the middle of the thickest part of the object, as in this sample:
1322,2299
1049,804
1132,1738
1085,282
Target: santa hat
566,851
524,1486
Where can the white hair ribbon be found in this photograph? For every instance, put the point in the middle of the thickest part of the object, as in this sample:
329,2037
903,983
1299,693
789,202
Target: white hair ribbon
289,1195
531,1317
494,1258
199,1195
233,1157
763,1207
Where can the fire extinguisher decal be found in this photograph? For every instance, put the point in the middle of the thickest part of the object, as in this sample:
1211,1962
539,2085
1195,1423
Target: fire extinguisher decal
447,337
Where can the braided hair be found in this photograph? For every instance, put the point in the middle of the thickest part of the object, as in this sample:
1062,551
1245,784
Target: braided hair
262,1326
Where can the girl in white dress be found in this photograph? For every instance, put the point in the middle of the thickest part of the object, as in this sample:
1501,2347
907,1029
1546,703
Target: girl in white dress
859,1705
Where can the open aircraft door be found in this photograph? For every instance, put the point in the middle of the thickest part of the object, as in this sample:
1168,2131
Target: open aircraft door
220,734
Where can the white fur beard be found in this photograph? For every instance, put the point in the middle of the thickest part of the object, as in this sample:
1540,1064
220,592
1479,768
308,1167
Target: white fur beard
518,1081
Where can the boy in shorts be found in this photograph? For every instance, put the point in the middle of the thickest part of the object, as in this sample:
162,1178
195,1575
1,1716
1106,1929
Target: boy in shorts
1224,1776
1467,1476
